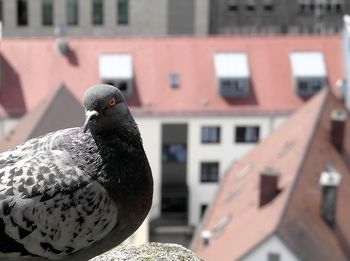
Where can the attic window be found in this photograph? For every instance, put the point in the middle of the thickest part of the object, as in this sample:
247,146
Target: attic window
309,72
174,80
117,70
232,73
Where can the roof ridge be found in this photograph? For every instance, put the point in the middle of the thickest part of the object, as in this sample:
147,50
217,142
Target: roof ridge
303,157
50,99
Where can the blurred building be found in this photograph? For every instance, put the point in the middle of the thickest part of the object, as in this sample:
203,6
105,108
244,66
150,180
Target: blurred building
103,18
170,17
201,103
287,199
277,16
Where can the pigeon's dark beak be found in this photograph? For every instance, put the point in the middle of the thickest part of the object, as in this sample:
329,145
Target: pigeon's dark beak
88,116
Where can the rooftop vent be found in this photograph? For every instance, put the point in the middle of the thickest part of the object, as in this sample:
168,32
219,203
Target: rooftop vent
329,182
61,41
268,185
338,120
62,45
206,236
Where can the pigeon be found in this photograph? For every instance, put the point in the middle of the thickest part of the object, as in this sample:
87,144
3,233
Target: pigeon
76,193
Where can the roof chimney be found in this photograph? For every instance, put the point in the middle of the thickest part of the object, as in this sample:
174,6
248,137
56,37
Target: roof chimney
268,185
329,182
338,120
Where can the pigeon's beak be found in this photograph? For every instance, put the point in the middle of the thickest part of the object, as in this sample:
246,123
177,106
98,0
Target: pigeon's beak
88,116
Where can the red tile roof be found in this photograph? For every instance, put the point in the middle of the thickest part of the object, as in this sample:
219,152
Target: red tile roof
299,151
59,110
32,68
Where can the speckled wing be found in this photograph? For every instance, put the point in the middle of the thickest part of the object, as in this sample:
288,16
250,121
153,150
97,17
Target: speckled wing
48,206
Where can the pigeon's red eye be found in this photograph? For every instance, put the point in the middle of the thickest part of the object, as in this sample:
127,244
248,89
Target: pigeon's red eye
112,102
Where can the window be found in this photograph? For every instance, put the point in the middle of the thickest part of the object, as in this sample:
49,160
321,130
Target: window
235,87
123,12
232,5
268,6
175,152
209,171
247,134
232,72
273,257
210,134
312,7
309,86
203,209
47,12
97,12
250,6
72,12
309,72
123,86
338,8
174,80
22,12
117,70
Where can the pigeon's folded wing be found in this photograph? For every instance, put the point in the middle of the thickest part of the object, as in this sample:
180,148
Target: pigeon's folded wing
48,205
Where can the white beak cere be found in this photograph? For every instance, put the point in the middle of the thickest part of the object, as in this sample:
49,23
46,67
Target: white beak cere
88,116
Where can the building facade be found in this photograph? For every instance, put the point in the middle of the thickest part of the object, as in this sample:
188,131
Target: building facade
288,192
103,18
170,17
277,16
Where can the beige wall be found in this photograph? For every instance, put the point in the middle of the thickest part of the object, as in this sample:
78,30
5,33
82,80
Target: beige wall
226,152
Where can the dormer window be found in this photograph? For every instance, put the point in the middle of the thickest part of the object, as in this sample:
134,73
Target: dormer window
117,70
232,73
309,72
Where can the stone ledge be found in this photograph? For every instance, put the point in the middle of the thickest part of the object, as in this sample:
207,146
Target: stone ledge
148,252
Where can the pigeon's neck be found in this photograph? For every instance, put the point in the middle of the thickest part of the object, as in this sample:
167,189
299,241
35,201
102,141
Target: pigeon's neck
120,152
120,141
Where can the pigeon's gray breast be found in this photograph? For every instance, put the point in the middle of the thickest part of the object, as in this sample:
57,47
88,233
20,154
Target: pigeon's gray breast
48,204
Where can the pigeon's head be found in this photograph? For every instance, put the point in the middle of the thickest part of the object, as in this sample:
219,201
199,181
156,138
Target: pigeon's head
105,109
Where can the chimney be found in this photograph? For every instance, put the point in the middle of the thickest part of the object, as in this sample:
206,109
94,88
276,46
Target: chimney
329,182
268,185
338,122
